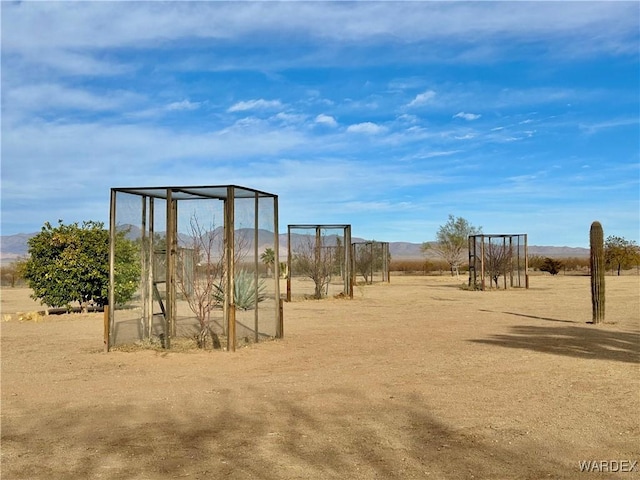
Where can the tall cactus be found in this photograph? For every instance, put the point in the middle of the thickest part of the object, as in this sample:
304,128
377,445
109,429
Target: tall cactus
596,241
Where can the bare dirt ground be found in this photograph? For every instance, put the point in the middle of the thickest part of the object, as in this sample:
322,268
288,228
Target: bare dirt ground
413,379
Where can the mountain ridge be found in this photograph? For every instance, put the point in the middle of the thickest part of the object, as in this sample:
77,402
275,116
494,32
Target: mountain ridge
13,247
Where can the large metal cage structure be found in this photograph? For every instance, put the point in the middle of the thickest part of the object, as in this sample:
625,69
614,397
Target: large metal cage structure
501,260
319,263
370,261
195,246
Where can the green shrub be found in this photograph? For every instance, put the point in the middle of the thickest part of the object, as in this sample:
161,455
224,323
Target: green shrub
552,266
70,263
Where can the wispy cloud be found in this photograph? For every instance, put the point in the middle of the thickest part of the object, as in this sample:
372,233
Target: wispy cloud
46,96
615,123
142,24
157,111
368,128
467,116
287,118
51,59
434,154
422,99
259,104
183,105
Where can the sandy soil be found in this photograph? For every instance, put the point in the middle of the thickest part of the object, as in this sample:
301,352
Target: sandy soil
413,379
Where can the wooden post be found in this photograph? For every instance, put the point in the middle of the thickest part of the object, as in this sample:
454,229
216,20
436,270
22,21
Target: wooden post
511,261
170,269
348,263
387,266
504,270
482,263
472,266
317,265
230,268
288,263
255,256
106,328
174,266
353,248
144,270
112,272
289,286
371,262
526,262
231,329
150,247
276,269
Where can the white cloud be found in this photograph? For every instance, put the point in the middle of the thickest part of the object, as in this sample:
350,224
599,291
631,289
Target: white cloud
184,105
259,104
614,123
376,206
369,128
289,118
434,154
422,98
467,116
466,136
88,39
326,120
119,151
143,23
73,63
41,97
406,118
158,111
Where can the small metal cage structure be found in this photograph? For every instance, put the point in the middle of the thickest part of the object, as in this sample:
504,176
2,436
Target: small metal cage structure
198,273
319,263
498,260
370,261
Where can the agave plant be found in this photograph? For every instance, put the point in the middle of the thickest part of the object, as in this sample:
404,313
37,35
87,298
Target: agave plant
246,295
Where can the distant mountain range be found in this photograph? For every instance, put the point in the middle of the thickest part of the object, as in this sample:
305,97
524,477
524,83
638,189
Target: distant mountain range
13,247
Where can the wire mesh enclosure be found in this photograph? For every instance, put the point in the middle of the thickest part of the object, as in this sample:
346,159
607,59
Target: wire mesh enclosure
319,261
200,274
370,261
498,261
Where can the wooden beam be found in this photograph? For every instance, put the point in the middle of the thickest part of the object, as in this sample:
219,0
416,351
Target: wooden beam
230,268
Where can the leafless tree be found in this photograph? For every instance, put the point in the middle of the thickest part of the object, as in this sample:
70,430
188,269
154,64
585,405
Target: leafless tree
496,260
204,284
368,258
315,261
198,283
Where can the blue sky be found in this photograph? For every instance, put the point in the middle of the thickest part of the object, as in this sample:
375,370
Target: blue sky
522,117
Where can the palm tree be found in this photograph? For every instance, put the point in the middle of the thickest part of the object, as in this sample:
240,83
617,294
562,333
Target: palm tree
268,257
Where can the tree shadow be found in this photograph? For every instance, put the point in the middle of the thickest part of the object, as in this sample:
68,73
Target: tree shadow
396,439
572,341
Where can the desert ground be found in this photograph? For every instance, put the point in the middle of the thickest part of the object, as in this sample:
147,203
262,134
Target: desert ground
413,379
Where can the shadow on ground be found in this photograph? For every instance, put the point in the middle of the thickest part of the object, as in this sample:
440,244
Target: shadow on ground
536,317
382,439
573,341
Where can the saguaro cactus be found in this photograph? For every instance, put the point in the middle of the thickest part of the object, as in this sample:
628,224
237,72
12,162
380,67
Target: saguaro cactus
596,241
